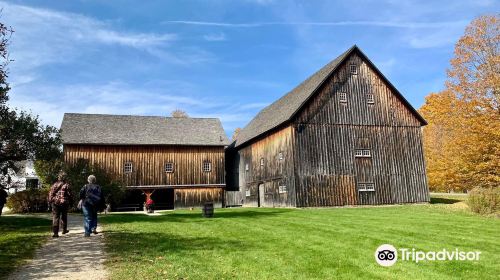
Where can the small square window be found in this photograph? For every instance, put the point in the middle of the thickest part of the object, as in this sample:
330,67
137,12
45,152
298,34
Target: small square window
366,187
247,167
354,69
247,193
367,153
127,167
261,161
343,97
169,167
358,153
370,98
280,156
282,189
207,166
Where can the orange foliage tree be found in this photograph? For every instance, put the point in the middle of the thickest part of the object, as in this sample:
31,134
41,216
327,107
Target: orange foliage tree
462,140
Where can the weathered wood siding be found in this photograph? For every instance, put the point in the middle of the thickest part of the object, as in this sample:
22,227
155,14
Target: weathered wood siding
272,174
329,131
149,163
186,198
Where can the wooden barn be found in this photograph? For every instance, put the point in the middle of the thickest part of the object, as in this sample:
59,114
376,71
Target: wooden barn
344,136
178,161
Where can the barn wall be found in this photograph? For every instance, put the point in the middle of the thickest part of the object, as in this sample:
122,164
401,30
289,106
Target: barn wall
186,198
148,163
272,174
329,132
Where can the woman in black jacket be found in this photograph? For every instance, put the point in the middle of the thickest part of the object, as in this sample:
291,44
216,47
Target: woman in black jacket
91,201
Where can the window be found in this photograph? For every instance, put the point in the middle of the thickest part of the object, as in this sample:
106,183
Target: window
367,153
281,189
247,167
127,167
280,156
261,161
354,69
169,167
207,166
247,193
369,98
362,153
366,187
343,97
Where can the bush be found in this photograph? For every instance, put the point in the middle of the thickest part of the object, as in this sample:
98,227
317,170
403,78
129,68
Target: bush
29,201
77,176
484,200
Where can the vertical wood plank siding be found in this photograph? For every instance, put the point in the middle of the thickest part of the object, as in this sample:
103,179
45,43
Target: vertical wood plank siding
272,174
185,198
328,132
149,163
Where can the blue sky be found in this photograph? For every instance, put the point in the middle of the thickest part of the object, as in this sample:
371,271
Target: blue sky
225,59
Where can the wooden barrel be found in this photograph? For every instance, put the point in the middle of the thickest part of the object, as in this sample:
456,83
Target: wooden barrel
208,210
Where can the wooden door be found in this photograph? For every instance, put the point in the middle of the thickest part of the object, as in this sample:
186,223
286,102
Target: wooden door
262,195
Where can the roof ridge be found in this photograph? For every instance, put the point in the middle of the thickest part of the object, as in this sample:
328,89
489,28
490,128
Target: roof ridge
140,116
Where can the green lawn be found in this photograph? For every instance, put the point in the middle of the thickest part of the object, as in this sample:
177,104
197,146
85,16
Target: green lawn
248,243
19,238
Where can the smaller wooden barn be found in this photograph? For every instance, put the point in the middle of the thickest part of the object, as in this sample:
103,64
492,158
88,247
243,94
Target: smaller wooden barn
178,161
344,136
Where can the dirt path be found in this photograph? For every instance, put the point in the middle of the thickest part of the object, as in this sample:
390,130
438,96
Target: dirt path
70,256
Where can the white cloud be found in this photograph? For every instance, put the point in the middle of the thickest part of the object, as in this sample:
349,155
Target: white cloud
215,37
392,24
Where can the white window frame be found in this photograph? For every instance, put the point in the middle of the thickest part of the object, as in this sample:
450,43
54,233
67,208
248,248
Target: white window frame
128,167
353,69
282,189
366,187
367,153
169,167
343,97
370,98
247,193
262,161
207,166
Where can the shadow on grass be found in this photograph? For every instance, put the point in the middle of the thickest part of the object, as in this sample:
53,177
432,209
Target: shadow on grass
19,238
442,200
194,216
148,246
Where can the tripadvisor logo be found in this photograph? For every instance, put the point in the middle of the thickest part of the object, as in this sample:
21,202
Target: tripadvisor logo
387,255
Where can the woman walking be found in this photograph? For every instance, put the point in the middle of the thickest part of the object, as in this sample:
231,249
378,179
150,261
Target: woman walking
91,201
60,199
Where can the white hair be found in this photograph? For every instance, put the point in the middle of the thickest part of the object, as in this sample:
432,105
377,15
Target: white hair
91,179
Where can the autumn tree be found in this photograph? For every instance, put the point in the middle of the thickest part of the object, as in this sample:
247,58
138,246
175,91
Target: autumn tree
177,113
236,133
462,140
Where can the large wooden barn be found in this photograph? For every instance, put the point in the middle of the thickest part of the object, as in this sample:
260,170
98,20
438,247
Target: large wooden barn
179,161
344,136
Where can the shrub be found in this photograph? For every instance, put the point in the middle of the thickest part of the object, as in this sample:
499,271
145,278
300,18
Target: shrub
29,201
484,200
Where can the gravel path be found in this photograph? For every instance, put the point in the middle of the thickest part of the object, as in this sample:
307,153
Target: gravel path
70,256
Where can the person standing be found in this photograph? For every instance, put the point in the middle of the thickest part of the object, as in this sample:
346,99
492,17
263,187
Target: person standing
60,199
92,201
3,199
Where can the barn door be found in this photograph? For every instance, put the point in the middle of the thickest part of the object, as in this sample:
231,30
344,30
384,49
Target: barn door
261,195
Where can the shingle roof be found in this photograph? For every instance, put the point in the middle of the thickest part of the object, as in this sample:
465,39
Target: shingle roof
283,109
141,130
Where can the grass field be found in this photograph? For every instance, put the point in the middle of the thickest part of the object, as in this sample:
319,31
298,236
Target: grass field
19,238
330,243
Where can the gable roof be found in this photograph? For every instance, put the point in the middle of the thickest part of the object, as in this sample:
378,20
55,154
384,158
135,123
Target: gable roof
285,108
141,130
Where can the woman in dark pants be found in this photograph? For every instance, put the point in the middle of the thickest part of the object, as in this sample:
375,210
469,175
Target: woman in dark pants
60,199
91,201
